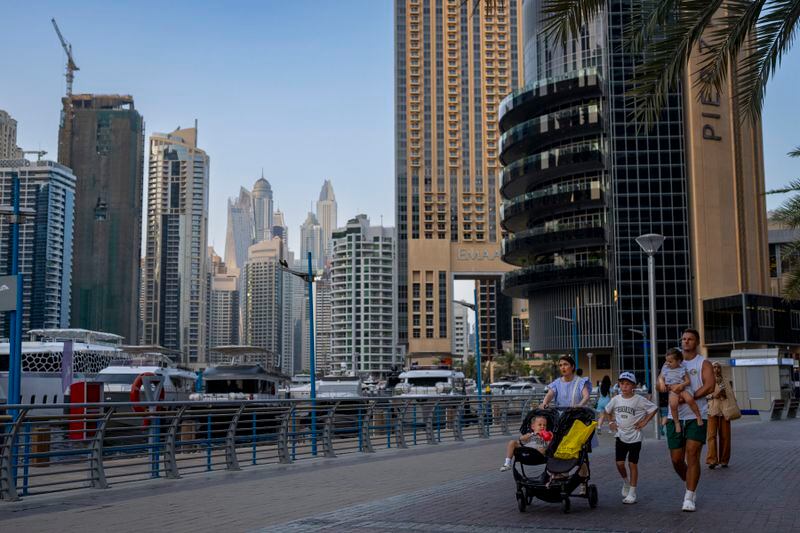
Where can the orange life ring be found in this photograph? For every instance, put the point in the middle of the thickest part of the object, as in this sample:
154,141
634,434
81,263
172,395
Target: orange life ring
136,391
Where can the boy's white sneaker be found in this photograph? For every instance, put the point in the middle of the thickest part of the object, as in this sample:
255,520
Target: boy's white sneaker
630,498
688,501
505,467
626,488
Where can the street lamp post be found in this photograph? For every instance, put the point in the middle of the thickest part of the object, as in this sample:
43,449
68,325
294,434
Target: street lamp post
650,243
309,279
16,216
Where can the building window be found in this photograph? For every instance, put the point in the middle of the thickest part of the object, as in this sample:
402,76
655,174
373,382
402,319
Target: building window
766,317
795,317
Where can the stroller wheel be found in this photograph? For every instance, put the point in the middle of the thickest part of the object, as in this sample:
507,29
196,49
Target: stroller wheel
591,494
565,505
522,501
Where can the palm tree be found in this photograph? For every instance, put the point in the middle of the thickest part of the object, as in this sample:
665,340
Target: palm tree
789,215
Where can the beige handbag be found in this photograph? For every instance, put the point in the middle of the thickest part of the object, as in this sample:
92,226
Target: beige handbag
730,409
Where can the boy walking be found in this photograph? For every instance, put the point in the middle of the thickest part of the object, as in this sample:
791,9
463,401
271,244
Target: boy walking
628,414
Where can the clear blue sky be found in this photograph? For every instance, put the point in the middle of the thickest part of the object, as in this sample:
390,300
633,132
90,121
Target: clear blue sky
302,88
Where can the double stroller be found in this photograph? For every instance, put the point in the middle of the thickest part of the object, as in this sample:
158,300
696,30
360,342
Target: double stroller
561,476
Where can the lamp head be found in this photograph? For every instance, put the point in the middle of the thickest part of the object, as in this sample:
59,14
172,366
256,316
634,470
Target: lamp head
650,243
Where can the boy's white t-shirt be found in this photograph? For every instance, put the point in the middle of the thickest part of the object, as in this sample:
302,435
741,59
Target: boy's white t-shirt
627,412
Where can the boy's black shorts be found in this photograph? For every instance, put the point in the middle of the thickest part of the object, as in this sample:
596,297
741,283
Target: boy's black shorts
630,450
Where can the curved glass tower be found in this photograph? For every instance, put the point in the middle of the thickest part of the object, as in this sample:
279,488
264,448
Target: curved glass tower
554,187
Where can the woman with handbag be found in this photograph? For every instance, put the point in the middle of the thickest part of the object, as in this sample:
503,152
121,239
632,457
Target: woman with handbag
722,409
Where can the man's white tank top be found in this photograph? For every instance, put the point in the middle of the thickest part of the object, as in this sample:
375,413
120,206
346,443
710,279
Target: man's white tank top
695,370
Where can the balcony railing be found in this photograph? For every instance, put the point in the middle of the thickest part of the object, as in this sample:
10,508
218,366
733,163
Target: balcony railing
536,97
520,283
553,199
522,175
549,129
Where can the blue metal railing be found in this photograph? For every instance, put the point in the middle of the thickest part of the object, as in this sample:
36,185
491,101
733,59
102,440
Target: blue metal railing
60,447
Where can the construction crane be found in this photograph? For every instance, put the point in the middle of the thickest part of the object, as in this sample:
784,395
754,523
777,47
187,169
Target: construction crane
71,66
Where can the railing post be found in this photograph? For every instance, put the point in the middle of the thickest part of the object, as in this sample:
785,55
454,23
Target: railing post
327,432
458,422
170,451
366,441
400,425
231,461
97,474
504,418
482,429
8,481
429,433
283,437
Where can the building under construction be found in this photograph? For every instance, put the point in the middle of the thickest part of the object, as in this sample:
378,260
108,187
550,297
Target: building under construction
101,138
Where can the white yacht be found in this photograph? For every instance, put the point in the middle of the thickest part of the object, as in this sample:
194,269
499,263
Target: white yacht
432,381
123,381
44,379
240,381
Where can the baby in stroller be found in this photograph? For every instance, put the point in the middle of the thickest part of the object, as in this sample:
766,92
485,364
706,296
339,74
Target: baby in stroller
566,459
537,437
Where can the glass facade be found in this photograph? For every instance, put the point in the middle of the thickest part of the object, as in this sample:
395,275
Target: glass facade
554,150
581,182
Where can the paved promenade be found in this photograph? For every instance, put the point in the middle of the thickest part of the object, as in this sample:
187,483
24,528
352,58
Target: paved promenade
446,488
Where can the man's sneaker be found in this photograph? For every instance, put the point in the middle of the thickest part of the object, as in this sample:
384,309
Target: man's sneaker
688,506
505,467
625,490
630,498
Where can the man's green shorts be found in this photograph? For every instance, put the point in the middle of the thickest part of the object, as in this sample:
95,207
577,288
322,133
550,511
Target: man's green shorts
691,431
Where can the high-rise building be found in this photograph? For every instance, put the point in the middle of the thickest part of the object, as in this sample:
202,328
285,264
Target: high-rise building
582,181
45,241
262,277
311,240
299,297
322,323
453,65
289,309
175,274
362,276
223,304
460,332
101,138
240,234
327,216
494,317
262,210
280,229
8,137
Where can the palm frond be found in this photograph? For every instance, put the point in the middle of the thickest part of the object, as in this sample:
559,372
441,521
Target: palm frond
666,54
563,19
646,20
791,290
789,212
795,152
773,37
793,186
724,40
